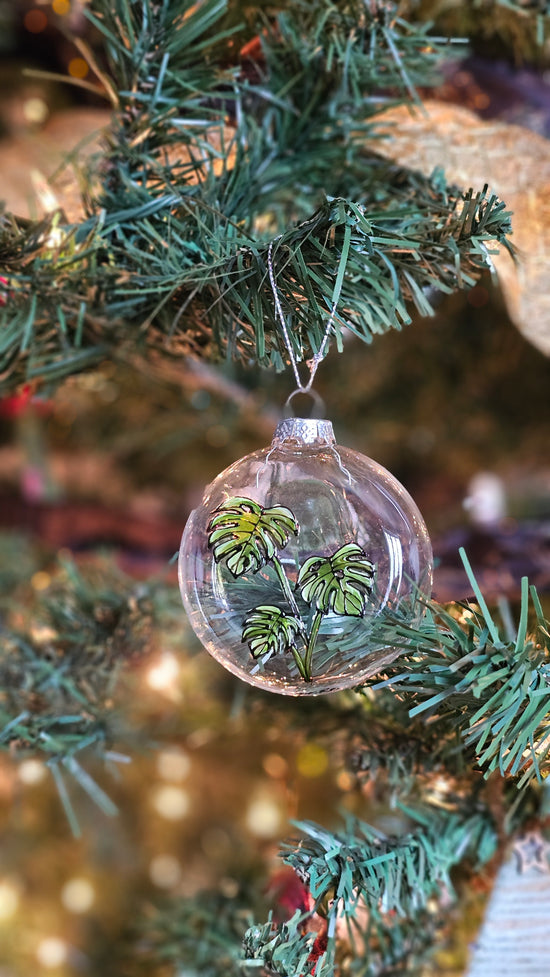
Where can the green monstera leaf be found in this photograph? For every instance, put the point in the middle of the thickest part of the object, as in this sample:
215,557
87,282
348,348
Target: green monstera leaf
339,583
270,630
246,536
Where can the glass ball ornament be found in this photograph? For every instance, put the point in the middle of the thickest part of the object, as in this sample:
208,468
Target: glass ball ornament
299,562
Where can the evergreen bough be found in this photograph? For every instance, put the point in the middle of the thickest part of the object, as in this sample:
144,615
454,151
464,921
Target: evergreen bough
231,128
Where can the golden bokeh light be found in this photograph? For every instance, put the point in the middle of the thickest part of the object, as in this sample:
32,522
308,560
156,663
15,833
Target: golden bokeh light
40,580
78,68
171,802
9,900
263,817
345,780
162,675
275,765
78,895
35,110
52,952
32,771
173,764
165,871
312,760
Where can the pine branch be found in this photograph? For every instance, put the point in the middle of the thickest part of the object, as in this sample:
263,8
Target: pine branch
206,163
373,265
380,897
201,935
58,677
396,874
286,950
469,675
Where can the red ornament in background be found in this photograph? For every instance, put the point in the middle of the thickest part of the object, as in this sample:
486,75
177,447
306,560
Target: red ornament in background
289,894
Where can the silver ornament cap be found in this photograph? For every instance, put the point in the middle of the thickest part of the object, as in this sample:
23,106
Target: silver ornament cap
306,430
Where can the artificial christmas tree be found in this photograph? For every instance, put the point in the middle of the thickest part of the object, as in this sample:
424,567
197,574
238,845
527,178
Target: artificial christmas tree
241,141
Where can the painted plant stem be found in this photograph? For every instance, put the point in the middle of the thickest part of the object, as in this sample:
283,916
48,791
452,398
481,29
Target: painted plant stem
285,584
301,665
312,638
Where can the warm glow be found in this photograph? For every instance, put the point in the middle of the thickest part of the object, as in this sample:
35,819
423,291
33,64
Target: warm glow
48,203
274,765
312,760
263,818
32,772
35,21
77,895
41,580
61,7
51,952
162,676
173,764
35,110
481,100
9,900
442,785
171,802
78,68
165,871
345,780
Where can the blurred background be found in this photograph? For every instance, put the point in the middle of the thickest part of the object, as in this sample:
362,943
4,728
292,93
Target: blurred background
198,790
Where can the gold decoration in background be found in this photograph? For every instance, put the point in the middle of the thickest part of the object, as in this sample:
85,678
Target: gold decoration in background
515,162
30,154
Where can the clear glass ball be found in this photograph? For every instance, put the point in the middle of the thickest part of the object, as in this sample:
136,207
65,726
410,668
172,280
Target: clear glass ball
299,561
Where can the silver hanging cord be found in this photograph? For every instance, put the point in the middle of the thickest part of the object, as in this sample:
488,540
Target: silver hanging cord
317,358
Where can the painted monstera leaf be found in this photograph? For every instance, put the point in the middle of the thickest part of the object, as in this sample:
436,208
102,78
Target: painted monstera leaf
246,535
269,630
340,583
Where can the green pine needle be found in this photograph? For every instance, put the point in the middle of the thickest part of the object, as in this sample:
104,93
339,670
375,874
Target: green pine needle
207,160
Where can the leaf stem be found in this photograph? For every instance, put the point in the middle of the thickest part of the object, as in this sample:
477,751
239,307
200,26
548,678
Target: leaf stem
304,670
285,584
300,664
311,643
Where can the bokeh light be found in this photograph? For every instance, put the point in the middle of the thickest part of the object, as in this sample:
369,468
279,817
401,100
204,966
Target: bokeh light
173,764
163,674
52,952
32,771
9,899
263,817
35,21
35,110
78,895
312,760
78,68
61,7
40,580
171,802
275,765
165,871
345,780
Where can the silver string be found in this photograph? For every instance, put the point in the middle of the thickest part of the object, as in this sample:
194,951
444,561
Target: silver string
317,358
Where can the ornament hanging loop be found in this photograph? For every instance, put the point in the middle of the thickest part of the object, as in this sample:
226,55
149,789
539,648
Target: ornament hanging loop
316,410
319,356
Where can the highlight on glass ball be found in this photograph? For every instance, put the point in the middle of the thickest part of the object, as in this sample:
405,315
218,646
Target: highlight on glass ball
301,560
